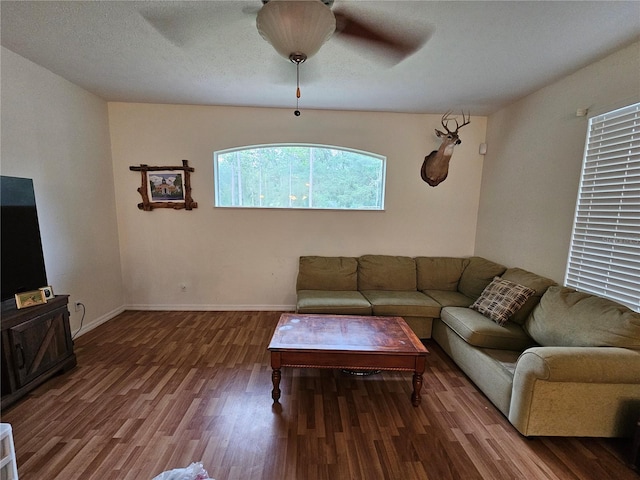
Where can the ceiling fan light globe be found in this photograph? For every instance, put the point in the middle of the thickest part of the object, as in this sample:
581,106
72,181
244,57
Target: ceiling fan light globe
296,26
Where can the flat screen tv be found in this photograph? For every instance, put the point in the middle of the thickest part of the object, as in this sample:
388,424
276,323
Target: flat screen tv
23,266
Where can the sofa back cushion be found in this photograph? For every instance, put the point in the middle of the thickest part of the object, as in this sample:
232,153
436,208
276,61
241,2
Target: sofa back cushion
327,273
565,317
534,282
386,272
477,275
439,273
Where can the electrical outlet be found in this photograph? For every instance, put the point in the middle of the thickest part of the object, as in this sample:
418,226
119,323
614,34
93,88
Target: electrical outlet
78,305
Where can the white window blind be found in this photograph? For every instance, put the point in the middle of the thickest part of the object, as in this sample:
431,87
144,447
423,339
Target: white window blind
604,257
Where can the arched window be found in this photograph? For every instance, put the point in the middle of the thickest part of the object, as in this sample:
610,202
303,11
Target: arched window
299,176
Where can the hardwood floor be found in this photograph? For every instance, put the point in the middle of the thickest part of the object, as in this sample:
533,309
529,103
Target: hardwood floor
158,390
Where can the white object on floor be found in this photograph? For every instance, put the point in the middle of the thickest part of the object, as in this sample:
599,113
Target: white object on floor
8,466
195,471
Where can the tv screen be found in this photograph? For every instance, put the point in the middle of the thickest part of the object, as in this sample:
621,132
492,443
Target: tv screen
23,266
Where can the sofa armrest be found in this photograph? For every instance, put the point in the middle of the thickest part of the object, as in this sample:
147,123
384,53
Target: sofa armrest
579,364
576,391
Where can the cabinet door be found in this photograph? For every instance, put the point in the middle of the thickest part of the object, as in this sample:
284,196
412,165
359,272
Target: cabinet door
39,344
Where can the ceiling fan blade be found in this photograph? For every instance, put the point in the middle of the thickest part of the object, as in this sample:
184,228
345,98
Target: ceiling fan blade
395,44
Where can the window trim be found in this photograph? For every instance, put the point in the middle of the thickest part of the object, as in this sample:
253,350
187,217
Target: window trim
604,253
378,156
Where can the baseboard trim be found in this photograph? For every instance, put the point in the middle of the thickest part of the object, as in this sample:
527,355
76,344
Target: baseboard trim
181,308
98,321
213,308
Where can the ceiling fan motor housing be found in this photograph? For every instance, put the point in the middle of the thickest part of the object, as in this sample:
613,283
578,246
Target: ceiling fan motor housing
296,27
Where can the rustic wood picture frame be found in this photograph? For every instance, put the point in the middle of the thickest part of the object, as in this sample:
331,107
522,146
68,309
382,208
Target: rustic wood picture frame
149,203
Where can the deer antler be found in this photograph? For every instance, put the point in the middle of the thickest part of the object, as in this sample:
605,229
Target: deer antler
465,121
445,121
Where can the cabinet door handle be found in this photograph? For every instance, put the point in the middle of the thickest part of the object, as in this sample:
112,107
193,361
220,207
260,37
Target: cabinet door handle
20,351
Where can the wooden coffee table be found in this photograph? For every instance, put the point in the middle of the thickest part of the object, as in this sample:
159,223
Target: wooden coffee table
346,342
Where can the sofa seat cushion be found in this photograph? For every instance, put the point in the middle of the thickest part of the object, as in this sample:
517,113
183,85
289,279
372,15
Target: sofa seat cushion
447,298
439,273
336,302
386,272
408,303
480,331
490,369
568,318
327,273
501,299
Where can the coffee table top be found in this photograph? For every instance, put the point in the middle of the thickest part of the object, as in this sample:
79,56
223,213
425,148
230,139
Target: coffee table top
344,333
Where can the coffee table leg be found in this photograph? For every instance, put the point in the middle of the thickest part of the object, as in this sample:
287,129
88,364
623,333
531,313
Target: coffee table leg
275,378
417,386
276,363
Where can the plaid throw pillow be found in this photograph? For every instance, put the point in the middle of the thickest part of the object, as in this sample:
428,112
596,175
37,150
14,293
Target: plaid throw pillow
501,299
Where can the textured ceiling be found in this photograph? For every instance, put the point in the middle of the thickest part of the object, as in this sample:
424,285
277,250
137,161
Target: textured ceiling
479,56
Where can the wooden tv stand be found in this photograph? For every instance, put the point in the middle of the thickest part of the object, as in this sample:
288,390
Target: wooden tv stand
36,345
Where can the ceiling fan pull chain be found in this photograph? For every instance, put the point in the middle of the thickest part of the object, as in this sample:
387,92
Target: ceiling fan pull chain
297,112
297,58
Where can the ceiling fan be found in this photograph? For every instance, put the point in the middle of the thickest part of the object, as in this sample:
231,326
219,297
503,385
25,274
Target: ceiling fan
291,24
295,28
298,28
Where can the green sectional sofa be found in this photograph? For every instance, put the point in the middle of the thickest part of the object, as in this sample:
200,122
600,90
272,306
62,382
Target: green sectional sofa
556,362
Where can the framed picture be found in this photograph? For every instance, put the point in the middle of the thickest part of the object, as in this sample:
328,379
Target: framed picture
165,187
48,292
30,299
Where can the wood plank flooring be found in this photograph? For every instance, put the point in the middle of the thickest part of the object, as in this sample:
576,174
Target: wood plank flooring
158,390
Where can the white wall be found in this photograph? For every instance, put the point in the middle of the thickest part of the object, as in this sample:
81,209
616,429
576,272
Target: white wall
532,168
247,259
58,134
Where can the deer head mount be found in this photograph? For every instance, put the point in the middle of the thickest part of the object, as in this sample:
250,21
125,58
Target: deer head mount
435,167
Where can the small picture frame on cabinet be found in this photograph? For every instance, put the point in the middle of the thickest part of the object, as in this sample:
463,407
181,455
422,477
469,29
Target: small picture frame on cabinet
48,292
30,299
